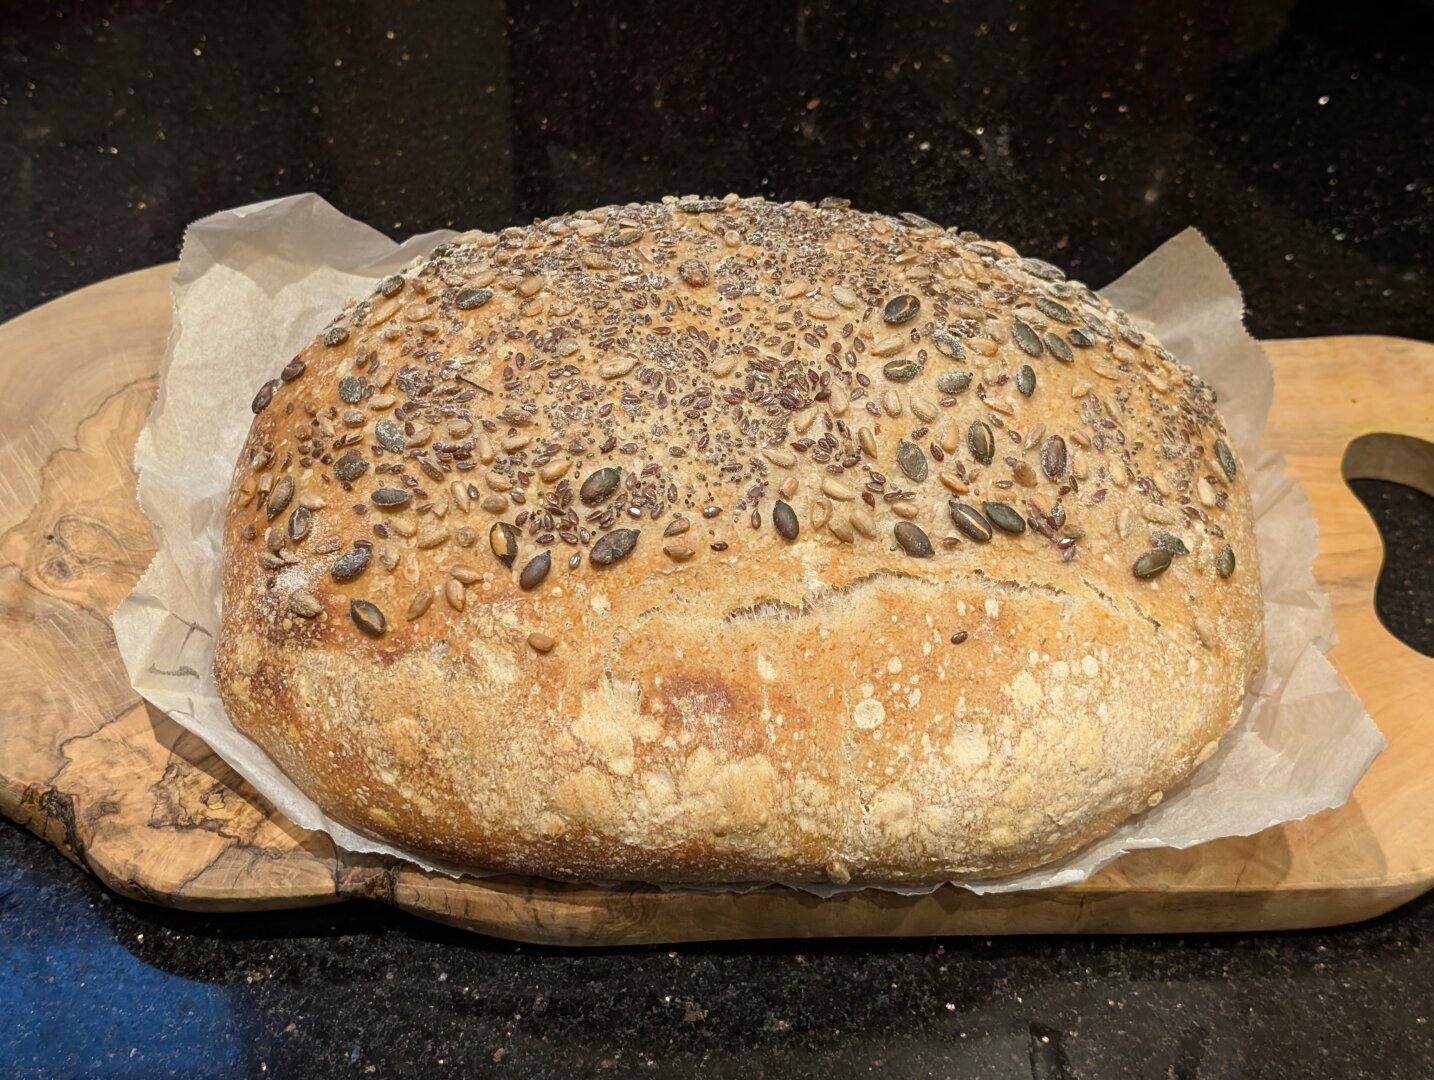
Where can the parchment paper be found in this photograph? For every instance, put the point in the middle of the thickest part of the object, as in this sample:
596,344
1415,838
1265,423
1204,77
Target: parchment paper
256,283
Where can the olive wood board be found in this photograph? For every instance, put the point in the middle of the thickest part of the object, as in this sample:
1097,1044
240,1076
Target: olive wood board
149,809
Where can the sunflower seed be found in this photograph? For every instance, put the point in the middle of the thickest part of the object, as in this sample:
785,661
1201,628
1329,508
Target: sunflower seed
1026,380
541,643
1225,457
1026,338
537,569
1081,339
599,485
948,344
350,564
503,539
953,382
454,595
350,467
1152,564
678,552
1004,517
835,489
911,460
888,345
863,522
612,547
389,498
616,369
300,521
902,370
421,602
304,605
900,309
1225,561
1023,474
390,436
264,396
969,520
785,519
1053,457
981,442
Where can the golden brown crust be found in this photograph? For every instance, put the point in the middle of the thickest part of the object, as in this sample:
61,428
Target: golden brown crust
796,666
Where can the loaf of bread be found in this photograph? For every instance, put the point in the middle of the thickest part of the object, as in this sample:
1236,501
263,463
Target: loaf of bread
719,540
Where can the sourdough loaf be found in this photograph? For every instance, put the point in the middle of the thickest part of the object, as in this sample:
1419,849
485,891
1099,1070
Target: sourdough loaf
724,540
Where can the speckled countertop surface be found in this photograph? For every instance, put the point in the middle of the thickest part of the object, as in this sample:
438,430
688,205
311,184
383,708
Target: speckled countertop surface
1298,136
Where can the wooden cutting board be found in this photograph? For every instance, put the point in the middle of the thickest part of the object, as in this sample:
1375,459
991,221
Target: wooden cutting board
149,808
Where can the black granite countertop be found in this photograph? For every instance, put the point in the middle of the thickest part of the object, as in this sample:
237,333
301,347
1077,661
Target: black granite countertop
1299,137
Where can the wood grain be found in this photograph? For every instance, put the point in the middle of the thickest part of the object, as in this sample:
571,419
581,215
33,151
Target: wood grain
149,808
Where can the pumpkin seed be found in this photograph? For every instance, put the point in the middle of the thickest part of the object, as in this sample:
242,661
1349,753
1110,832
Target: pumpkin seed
264,396
1058,348
1004,517
953,382
1042,269
902,370
694,273
1098,326
913,540
785,519
981,442
390,436
1026,338
1225,457
911,460
599,485
468,299
537,569
1054,310
1053,457
304,605
612,547
969,520
916,221
503,539
368,618
280,497
293,369
701,206
350,564
389,287
335,335
390,498
1081,339
948,344
1225,561
300,521
350,389
350,467
1152,564
1026,380
900,309
626,233
1169,541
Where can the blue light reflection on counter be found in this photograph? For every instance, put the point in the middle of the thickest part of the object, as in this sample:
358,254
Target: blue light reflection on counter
74,1002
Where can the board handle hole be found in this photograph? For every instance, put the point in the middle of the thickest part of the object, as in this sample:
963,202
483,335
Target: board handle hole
1393,476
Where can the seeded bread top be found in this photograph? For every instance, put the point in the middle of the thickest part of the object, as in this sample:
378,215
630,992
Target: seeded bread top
739,423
